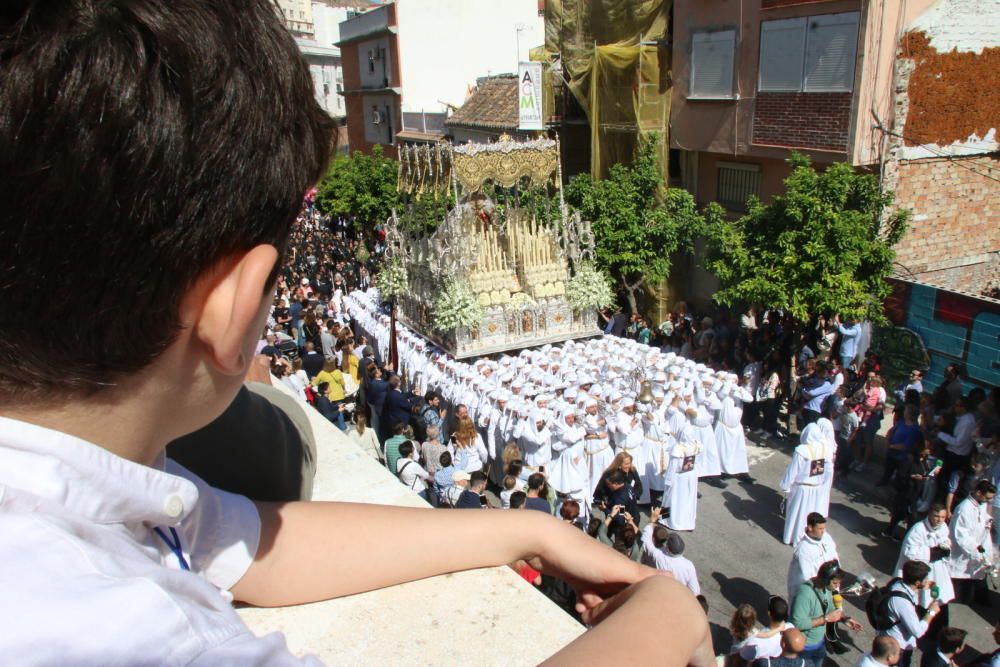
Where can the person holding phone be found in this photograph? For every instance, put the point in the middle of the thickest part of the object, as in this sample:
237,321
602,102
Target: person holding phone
472,497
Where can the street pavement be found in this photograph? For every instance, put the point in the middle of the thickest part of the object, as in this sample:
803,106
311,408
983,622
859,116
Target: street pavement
740,558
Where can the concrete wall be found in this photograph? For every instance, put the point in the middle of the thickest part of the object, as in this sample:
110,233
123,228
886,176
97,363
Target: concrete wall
482,617
954,327
445,45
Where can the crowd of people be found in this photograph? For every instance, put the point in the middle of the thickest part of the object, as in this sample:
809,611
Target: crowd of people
613,435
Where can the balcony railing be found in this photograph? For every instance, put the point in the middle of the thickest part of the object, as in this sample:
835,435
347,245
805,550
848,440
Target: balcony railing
418,622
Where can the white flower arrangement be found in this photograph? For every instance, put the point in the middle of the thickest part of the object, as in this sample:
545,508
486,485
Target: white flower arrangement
520,301
456,307
588,289
392,281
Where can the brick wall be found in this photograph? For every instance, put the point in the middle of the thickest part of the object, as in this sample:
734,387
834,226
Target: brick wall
802,120
956,211
954,328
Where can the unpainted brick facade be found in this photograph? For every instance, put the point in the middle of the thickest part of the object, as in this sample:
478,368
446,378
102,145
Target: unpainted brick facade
803,120
956,212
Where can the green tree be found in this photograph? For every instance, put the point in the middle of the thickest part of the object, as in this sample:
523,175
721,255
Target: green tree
638,222
359,187
825,245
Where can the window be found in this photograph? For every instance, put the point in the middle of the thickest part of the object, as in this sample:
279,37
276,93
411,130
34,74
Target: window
371,61
736,182
712,64
809,54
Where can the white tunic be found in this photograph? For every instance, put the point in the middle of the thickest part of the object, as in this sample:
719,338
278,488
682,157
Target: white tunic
568,472
970,529
809,554
536,445
804,484
656,456
709,464
729,435
917,546
597,449
681,482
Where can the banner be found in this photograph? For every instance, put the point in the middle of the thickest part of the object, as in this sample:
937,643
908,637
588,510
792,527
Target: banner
529,96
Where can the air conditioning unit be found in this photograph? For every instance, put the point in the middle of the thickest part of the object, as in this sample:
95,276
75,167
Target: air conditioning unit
377,117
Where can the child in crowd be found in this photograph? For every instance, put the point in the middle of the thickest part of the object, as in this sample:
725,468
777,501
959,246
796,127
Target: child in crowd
153,156
510,485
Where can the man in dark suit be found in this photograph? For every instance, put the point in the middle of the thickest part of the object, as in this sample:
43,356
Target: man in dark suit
398,407
375,391
950,643
312,361
367,360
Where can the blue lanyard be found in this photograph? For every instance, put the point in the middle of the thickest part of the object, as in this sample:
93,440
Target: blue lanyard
175,546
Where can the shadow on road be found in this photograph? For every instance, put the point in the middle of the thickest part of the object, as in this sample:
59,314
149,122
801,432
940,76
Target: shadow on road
762,508
738,590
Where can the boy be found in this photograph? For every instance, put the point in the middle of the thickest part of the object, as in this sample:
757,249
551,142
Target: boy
153,155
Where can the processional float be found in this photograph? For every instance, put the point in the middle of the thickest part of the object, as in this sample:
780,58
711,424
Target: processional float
490,277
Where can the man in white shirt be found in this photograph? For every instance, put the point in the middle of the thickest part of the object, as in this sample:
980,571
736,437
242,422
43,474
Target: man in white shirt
959,444
971,544
885,652
907,625
815,547
662,549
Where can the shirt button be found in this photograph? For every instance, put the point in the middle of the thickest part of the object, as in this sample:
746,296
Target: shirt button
173,507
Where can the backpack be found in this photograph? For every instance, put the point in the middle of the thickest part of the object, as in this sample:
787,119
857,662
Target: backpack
877,606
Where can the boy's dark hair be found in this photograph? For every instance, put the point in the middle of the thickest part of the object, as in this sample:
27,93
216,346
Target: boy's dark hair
914,572
477,478
951,639
140,144
445,459
518,499
777,609
616,476
815,519
536,482
405,449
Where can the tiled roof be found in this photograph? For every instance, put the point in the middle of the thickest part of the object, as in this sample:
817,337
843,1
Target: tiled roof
493,104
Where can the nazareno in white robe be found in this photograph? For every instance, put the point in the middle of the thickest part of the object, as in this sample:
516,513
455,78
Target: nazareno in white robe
681,482
729,436
597,450
702,430
568,470
656,447
917,546
804,485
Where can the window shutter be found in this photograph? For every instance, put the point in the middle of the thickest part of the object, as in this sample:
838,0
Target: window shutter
831,48
735,183
782,47
712,63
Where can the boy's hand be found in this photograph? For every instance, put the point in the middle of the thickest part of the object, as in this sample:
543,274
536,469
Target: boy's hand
595,571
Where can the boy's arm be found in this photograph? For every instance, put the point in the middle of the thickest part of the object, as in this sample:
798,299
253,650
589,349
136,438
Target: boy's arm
320,550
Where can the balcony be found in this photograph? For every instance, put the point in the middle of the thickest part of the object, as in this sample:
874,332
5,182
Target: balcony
372,22
299,27
482,617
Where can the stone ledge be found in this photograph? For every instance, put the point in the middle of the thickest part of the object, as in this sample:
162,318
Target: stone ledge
482,617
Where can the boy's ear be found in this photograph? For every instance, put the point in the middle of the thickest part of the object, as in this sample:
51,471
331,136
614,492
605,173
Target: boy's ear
230,308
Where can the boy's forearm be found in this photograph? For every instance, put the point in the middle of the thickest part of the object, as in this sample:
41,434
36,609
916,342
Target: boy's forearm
320,550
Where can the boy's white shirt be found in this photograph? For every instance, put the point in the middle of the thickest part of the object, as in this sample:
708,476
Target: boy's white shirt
86,579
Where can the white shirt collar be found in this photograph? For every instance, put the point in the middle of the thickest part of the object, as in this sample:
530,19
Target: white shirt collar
89,480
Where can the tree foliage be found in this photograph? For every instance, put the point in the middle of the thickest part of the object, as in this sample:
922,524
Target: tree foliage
825,245
638,222
359,187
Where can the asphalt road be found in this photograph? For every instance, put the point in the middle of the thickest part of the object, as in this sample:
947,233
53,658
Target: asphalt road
739,556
